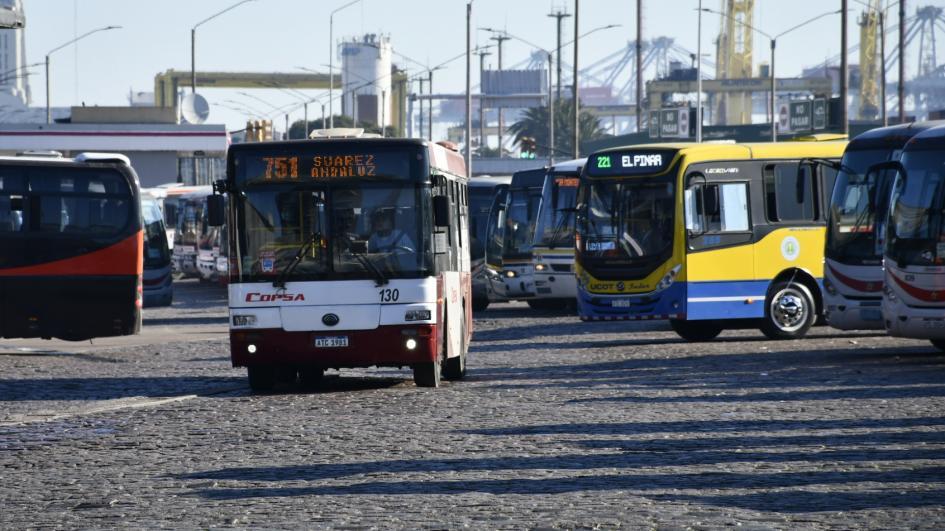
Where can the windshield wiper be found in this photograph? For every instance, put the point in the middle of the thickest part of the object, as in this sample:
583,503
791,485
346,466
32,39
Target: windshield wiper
379,278
561,223
296,260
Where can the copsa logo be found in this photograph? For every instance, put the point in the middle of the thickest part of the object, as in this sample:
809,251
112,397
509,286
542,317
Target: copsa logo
275,297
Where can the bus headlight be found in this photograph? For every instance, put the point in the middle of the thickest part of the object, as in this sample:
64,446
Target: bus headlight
244,320
417,315
540,267
669,278
411,344
510,274
890,294
829,287
251,348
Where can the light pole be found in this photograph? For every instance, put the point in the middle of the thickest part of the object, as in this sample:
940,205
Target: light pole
574,86
331,60
56,49
468,139
774,40
193,42
698,80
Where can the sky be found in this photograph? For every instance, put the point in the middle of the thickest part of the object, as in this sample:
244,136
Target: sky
281,35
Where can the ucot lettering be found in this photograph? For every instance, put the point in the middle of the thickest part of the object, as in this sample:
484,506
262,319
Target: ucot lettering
274,297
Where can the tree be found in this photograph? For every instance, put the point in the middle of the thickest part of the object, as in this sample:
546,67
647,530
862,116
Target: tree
297,130
534,124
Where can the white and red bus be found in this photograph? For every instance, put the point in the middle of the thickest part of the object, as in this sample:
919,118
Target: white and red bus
914,252
346,252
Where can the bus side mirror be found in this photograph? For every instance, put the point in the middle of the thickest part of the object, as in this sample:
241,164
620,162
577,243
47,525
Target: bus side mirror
215,210
441,211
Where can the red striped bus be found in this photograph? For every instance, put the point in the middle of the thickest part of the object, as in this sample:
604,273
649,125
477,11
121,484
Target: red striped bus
71,245
347,252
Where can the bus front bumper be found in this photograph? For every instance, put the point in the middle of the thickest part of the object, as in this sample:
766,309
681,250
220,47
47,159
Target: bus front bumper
555,286
915,323
853,314
384,346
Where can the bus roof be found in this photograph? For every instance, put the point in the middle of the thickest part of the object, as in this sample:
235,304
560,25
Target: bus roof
489,181
529,178
892,137
753,150
929,139
569,166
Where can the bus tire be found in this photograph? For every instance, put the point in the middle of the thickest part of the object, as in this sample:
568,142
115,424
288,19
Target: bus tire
262,378
939,344
427,374
696,330
790,311
311,377
455,368
480,305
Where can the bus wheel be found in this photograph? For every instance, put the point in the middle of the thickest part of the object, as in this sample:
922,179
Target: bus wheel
427,374
789,311
262,378
310,377
455,368
939,344
480,305
695,330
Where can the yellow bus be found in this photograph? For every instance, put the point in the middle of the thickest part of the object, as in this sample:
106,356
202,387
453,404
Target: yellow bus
709,236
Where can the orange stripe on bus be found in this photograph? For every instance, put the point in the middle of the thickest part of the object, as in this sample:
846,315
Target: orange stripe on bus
122,258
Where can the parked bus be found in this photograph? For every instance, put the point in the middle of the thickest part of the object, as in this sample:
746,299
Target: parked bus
553,248
157,278
482,192
347,252
191,229
70,247
495,243
853,268
209,244
708,236
517,235
914,252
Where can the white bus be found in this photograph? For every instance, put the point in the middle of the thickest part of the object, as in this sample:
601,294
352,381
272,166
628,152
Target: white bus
914,252
347,252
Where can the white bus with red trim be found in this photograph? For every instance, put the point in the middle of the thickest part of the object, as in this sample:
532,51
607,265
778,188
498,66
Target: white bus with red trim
914,252
347,252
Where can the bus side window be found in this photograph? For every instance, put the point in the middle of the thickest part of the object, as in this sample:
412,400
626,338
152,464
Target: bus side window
789,195
717,207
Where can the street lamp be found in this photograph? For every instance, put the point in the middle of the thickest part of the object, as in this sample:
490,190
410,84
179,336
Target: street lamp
331,59
468,135
56,49
193,42
774,39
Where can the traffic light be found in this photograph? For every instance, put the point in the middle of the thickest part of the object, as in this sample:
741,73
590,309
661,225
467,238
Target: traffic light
528,147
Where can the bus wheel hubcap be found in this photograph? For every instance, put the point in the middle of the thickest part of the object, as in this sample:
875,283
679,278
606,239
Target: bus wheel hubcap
788,310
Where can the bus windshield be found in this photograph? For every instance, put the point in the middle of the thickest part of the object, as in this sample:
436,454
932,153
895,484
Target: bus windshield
480,201
156,253
629,219
521,218
556,218
343,231
857,206
916,226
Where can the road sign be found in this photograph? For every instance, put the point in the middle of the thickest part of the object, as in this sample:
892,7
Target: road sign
654,124
819,114
674,123
784,121
801,116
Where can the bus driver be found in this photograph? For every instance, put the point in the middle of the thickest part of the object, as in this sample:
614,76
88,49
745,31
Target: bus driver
385,238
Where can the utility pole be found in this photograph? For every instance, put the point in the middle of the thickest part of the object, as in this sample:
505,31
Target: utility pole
576,135
420,102
499,38
882,65
467,137
901,88
639,65
430,106
559,15
482,104
844,80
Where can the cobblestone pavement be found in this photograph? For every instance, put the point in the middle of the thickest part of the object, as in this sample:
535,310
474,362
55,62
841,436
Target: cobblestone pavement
559,424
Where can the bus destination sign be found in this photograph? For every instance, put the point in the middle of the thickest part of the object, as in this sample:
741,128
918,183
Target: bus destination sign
630,163
265,168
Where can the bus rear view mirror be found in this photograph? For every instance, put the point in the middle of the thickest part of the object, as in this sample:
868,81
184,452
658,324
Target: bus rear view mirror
441,211
215,210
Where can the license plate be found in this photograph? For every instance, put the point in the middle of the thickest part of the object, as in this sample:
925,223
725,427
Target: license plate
871,315
620,303
933,323
331,342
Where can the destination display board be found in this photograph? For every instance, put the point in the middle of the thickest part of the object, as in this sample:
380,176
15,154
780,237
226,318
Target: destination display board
281,165
630,162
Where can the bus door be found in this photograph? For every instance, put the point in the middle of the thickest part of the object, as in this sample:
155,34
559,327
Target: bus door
720,264
495,241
